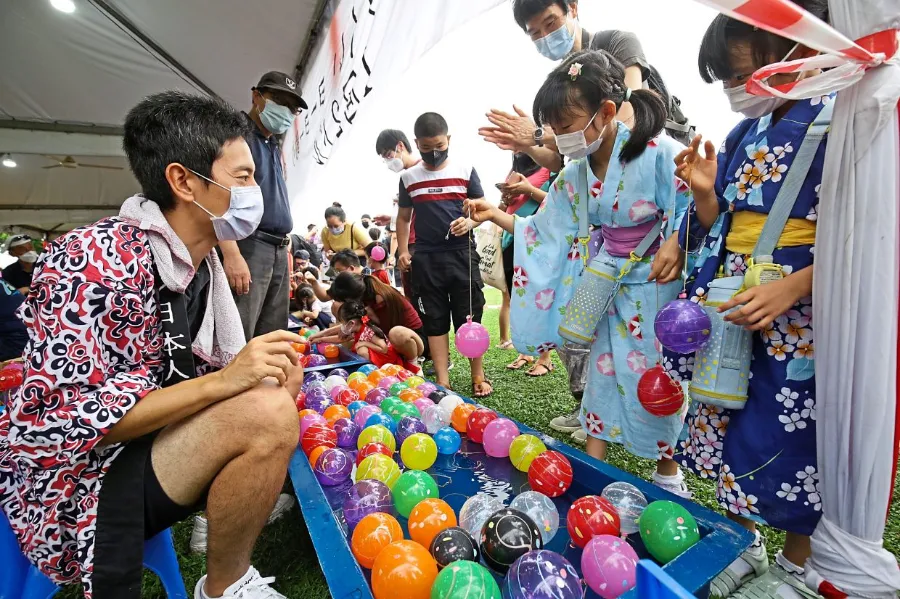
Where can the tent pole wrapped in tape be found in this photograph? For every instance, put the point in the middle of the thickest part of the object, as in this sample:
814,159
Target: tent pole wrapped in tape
857,277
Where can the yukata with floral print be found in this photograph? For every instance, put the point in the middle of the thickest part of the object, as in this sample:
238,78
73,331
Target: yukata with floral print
548,267
764,456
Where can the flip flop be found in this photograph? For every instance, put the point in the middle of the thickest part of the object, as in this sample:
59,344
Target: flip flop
481,382
532,372
519,363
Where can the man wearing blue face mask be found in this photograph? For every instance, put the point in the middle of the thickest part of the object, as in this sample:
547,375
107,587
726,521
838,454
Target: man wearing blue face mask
258,267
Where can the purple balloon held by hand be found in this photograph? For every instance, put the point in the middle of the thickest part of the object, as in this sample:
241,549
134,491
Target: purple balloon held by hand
682,326
366,497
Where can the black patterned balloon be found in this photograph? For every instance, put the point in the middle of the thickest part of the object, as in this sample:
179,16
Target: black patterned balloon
437,396
452,545
507,535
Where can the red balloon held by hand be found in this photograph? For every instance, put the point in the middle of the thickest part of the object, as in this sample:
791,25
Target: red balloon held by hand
659,393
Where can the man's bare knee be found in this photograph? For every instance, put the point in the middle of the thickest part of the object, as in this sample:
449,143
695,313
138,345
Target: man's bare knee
276,418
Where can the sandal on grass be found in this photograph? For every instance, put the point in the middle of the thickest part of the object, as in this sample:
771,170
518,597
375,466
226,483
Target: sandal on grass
535,371
519,363
478,386
505,345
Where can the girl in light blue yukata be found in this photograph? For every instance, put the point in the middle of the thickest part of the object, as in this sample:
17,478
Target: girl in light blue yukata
763,456
627,177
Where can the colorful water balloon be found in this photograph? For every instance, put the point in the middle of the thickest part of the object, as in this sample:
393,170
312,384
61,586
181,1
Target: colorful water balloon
366,497
609,566
379,467
479,419
550,474
668,530
373,533
524,449
542,575
376,434
465,580
506,536
629,502
590,516
418,451
472,339
452,545
541,509
682,326
498,436
460,417
476,510
403,569
412,487
333,467
428,518
447,441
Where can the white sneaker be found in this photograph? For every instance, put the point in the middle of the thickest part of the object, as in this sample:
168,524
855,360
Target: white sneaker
285,502
580,436
250,586
568,423
751,564
199,534
673,484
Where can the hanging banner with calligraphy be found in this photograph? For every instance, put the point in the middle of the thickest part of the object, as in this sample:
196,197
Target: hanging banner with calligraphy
366,45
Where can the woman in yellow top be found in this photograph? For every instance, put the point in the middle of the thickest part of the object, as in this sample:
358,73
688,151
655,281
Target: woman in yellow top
339,235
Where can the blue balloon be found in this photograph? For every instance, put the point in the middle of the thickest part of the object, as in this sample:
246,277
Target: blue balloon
355,407
447,441
384,420
366,369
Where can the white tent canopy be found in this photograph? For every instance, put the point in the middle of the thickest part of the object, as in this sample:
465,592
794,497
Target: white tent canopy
68,81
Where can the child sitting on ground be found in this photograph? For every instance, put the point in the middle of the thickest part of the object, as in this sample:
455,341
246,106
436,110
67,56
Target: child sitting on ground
307,308
377,257
367,338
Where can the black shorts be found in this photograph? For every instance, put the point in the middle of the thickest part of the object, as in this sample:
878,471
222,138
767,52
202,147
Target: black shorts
132,508
441,282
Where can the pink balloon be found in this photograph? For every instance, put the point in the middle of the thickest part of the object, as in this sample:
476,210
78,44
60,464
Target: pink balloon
472,339
310,419
498,436
387,381
336,390
423,403
364,414
378,254
609,566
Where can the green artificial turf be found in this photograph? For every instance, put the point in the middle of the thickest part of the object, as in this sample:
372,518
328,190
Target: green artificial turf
285,551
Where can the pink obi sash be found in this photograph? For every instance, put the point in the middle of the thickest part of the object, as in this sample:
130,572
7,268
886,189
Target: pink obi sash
621,241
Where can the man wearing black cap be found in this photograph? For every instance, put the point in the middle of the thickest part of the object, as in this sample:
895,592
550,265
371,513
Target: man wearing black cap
258,268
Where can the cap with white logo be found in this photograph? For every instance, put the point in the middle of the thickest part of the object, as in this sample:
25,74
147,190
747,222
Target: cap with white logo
275,80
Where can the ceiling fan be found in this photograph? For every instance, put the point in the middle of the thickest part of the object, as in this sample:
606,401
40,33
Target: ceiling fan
69,162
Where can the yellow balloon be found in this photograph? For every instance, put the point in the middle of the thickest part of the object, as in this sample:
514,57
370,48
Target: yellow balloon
524,449
379,467
418,451
376,433
414,381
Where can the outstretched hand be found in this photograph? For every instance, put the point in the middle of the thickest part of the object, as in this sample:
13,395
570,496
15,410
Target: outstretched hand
696,170
514,132
479,210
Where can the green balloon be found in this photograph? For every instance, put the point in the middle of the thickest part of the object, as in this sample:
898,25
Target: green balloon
668,530
465,580
388,403
412,487
404,409
396,388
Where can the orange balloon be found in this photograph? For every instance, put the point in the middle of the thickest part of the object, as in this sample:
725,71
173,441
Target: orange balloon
391,369
460,416
315,453
331,351
376,375
301,347
334,413
428,518
372,534
403,569
305,412
410,395
363,388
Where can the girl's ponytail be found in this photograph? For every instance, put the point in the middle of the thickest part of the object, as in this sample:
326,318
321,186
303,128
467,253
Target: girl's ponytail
649,119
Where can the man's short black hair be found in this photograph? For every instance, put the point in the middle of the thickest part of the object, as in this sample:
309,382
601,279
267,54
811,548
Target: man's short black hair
388,139
346,258
310,227
175,127
375,233
525,10
430,124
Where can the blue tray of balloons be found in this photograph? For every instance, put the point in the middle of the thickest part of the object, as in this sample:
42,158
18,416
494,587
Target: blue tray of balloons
469,472
346,359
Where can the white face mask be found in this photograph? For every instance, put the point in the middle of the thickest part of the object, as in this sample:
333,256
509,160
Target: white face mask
575,146
751,106
245,210
395,164
337,230
29,257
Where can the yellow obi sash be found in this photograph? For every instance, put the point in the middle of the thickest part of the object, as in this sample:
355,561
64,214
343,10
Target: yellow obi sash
746,227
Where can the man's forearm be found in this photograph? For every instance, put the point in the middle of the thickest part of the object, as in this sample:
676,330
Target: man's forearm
166,406
229,249
403,235
321,293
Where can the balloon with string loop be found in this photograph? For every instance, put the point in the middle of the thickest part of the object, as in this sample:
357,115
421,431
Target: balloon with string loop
472,339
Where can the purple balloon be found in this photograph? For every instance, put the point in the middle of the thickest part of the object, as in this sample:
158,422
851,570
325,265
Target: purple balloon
347,432
609,566
339,372
682,326
497,437
336,390
376,396
318,402
313,376
315,360
363,415
333,467
427,388
542,575
309,419
387,381
408,425
366,497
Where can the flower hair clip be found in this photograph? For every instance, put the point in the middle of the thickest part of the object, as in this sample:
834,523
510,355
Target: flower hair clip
365,320
575,70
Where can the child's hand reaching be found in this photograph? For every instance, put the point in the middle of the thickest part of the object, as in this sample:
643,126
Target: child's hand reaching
698,171
479,210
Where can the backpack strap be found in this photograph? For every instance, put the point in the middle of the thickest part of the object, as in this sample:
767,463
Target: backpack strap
793,182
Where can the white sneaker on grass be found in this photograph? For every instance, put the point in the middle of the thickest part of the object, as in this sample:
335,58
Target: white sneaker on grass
200,533
568,423
250,586
751,564
580,436
673,484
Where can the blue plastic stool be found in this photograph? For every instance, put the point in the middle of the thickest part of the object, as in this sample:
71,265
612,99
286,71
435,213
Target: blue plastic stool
654,583
19,579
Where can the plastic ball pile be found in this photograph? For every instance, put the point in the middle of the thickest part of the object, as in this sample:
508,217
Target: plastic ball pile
392,426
